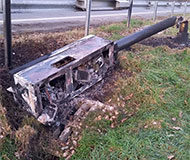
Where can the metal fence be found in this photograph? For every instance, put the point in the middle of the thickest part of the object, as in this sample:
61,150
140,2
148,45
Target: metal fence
154,4
172,7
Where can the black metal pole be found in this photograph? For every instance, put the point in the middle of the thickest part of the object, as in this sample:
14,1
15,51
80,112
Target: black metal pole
7,31
143,34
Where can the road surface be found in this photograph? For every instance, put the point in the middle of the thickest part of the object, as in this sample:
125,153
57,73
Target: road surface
45,20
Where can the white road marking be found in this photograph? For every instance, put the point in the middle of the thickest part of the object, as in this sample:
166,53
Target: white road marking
78,17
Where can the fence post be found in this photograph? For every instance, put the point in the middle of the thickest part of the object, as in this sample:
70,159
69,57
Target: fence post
185,9
7,31
1,5
130,13
88,12
155,10
173,7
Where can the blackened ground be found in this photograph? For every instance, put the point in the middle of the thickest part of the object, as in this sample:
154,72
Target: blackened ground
103,90
160,41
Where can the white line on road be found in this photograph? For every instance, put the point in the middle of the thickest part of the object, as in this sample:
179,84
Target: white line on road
78,17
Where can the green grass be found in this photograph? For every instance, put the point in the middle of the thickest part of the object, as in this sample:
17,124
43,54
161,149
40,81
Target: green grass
7,150
160,84
7,145
113,27
135,23
119,30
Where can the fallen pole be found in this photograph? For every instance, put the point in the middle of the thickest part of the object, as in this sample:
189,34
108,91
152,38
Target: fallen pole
143,34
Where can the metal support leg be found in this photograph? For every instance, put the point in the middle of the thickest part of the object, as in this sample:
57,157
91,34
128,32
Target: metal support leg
130,13
185,9
173,7
155,10
88,13
7,31
1,5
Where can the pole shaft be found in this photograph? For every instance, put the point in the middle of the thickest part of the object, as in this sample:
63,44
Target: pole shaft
7,31
88,13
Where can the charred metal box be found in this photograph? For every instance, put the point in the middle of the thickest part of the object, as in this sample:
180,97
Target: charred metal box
42,87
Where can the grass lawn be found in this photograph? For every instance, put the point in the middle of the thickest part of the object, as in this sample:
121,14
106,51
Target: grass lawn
160,107
160,127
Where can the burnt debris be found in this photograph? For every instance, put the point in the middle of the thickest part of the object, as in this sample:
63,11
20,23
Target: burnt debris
45,87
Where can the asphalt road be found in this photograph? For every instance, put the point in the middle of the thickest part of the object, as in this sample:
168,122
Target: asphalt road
45,20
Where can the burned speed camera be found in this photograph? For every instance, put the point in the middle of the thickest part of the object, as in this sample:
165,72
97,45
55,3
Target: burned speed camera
42,86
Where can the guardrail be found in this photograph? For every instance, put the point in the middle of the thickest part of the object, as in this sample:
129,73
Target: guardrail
156,4
172,5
